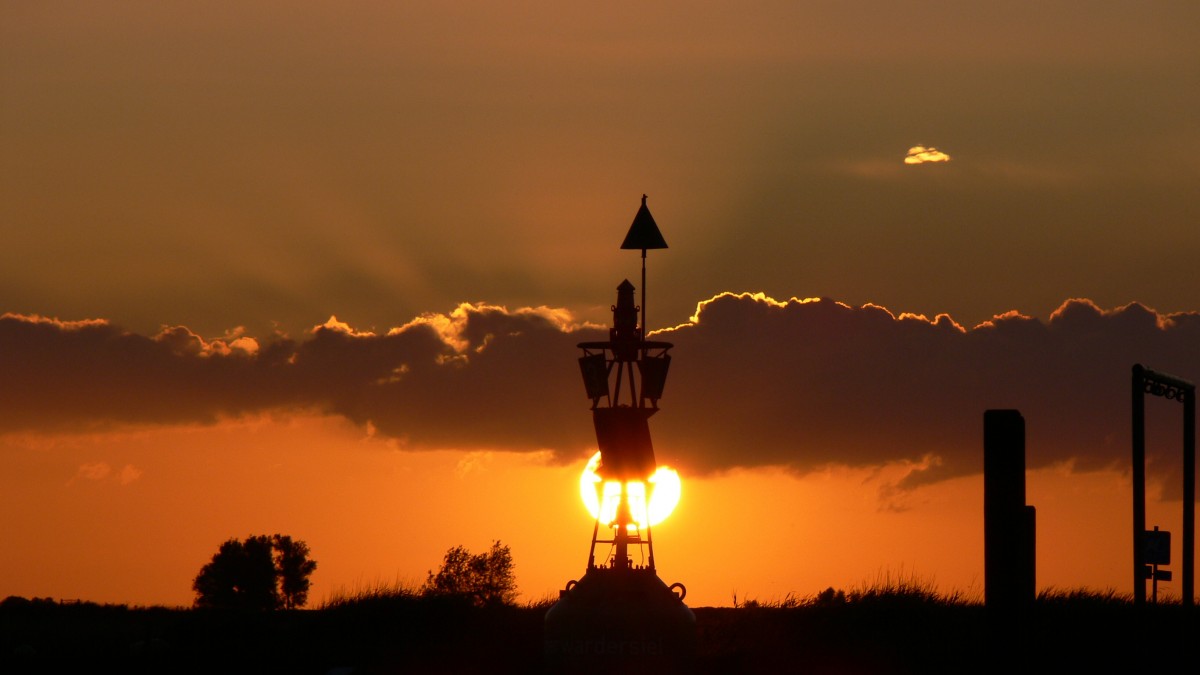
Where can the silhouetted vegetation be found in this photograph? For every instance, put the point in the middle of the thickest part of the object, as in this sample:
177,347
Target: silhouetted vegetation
484,579
261,573
378,593
889,587
293,566
399,628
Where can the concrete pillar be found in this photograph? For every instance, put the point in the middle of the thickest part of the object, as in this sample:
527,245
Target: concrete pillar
1009,525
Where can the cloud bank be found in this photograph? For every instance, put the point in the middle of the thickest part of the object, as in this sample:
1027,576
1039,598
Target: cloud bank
799,384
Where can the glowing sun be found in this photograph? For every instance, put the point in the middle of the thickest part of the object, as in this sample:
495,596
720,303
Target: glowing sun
650,502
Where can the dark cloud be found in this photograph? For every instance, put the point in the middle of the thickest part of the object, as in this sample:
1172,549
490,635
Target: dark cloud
479,377
755,382
810,383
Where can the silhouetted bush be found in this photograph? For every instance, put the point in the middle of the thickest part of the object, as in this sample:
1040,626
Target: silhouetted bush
261,573
829,598
483,579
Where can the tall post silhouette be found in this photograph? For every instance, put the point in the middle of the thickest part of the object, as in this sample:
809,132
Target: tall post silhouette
1009,525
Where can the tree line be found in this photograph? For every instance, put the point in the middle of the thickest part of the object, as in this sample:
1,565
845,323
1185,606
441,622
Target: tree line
269,572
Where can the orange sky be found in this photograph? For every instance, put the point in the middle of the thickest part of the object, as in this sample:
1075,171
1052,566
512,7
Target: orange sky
296,267
373,516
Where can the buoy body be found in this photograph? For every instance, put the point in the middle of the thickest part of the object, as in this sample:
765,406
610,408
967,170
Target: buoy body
620,620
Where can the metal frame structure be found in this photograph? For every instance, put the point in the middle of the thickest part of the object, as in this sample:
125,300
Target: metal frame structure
621,411
1146,381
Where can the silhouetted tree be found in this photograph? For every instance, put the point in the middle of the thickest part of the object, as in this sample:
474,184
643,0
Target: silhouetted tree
240,575
485,579
294,567
262,573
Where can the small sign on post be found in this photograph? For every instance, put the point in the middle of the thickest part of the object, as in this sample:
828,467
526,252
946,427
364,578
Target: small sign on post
1156,550
1156,547
1156,574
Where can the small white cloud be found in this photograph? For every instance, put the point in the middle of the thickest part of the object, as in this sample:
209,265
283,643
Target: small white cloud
94,471
920,154
129,473
474,462
103,472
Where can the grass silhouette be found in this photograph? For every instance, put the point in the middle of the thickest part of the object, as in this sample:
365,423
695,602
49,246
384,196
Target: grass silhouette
894,624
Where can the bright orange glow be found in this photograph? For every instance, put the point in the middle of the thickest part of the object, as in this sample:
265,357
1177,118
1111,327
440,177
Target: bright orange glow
602,497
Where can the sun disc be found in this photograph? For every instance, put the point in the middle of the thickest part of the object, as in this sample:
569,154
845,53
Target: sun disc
601,497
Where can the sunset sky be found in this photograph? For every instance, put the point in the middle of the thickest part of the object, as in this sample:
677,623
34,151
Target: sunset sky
321,269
